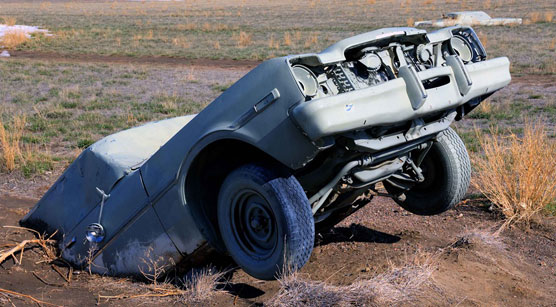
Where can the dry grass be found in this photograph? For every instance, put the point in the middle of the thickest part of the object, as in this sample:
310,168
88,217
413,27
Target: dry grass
13,38
539,17
201,287
154,268
410,22
9,21
197,290
9,293
27,159
272,43
10,142
288,39
394,287
483,38
548,16
243,39
518,173
312,40
181,41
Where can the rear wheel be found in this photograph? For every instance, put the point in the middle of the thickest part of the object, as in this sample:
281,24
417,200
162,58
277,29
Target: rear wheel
447,173
265,220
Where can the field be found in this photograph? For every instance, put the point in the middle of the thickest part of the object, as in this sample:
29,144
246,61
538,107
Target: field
114,65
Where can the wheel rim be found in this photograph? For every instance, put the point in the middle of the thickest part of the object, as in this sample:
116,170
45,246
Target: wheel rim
253,224
429,171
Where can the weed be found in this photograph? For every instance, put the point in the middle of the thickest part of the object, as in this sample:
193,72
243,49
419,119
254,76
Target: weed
394,287
13,38
220,87
548,16
243,39
288,39
273,44
154,268
9,21
9,139
483,38
518,173
201,287
36,161
84,143
312,40
539,17
535,96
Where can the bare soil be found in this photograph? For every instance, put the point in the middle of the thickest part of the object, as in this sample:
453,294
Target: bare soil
146,60
473,266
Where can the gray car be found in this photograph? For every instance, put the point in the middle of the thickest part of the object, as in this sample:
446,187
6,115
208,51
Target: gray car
293,147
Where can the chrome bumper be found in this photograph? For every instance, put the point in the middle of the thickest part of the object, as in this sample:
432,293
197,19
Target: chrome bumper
401,99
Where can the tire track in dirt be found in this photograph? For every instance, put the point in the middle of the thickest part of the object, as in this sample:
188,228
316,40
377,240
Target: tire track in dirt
140,60
517,78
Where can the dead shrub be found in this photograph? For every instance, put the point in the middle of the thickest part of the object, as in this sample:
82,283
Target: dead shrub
394,287
535,17
27,159
154,268
197,290
243,39
517,173
273,44
548,16
46,244
312,40
9,21
9,140
13,38
201,287
539,17
288,39
483,38
181,41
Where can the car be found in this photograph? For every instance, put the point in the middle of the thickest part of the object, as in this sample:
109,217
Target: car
469,18
292,148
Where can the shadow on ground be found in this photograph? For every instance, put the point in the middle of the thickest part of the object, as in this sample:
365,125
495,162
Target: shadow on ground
354,233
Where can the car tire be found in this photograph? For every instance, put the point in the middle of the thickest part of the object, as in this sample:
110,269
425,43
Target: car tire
265,220
447,172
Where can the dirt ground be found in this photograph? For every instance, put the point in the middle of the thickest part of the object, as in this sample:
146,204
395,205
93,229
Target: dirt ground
473,267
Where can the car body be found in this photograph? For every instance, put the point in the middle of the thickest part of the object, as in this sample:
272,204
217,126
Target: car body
152,188
469,18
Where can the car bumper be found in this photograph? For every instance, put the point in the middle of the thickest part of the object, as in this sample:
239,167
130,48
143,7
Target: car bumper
401,99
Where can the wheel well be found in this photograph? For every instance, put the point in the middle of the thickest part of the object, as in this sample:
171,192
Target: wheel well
205,176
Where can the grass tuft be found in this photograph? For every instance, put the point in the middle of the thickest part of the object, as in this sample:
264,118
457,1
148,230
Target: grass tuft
397,286
13,38
202,287
518,173
243,39
9,21
10,142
